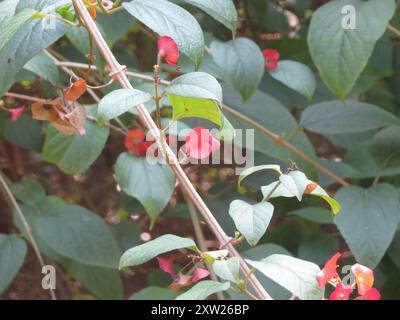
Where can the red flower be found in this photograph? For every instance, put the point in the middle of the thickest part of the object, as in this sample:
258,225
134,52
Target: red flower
134,142
329,270
371,294
364,278
341,292
16,113
200,143
271,57
199,274
168,50
165,265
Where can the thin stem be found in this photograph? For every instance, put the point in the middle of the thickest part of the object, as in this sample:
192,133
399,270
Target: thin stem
200,240
286,144
24,97
248,293
377,178
394,30
156,96
25,224
294,133
132,74
75,25
268,197
147,120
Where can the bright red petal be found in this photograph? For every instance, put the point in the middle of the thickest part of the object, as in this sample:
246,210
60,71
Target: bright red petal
199,274
16,113
371,294
271,57
200,143
166,265
168,50
329,270
271,54
341,292
364,278
134,142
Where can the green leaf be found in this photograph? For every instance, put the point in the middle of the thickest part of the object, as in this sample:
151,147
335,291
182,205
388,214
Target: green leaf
168,19
153,293
268,113
243,63
264,250
79,38
12,24
120,101
339,53
223,11
70,231
44,67
321,193
227,269
28,191
368,220
196,94
245,173
75,154
203,289
66,12
22,38
251,220
76,233
103,282
127,233
294,184
385,147
7,8
352,116
151,184
314,214
25,132
296,76
12,255
394,249
115,26
296,275
149,250
318,248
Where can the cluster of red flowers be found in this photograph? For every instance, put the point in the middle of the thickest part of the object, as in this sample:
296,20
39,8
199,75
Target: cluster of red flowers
364,281
181,280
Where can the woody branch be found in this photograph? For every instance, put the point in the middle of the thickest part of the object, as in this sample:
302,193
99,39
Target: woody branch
118,72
